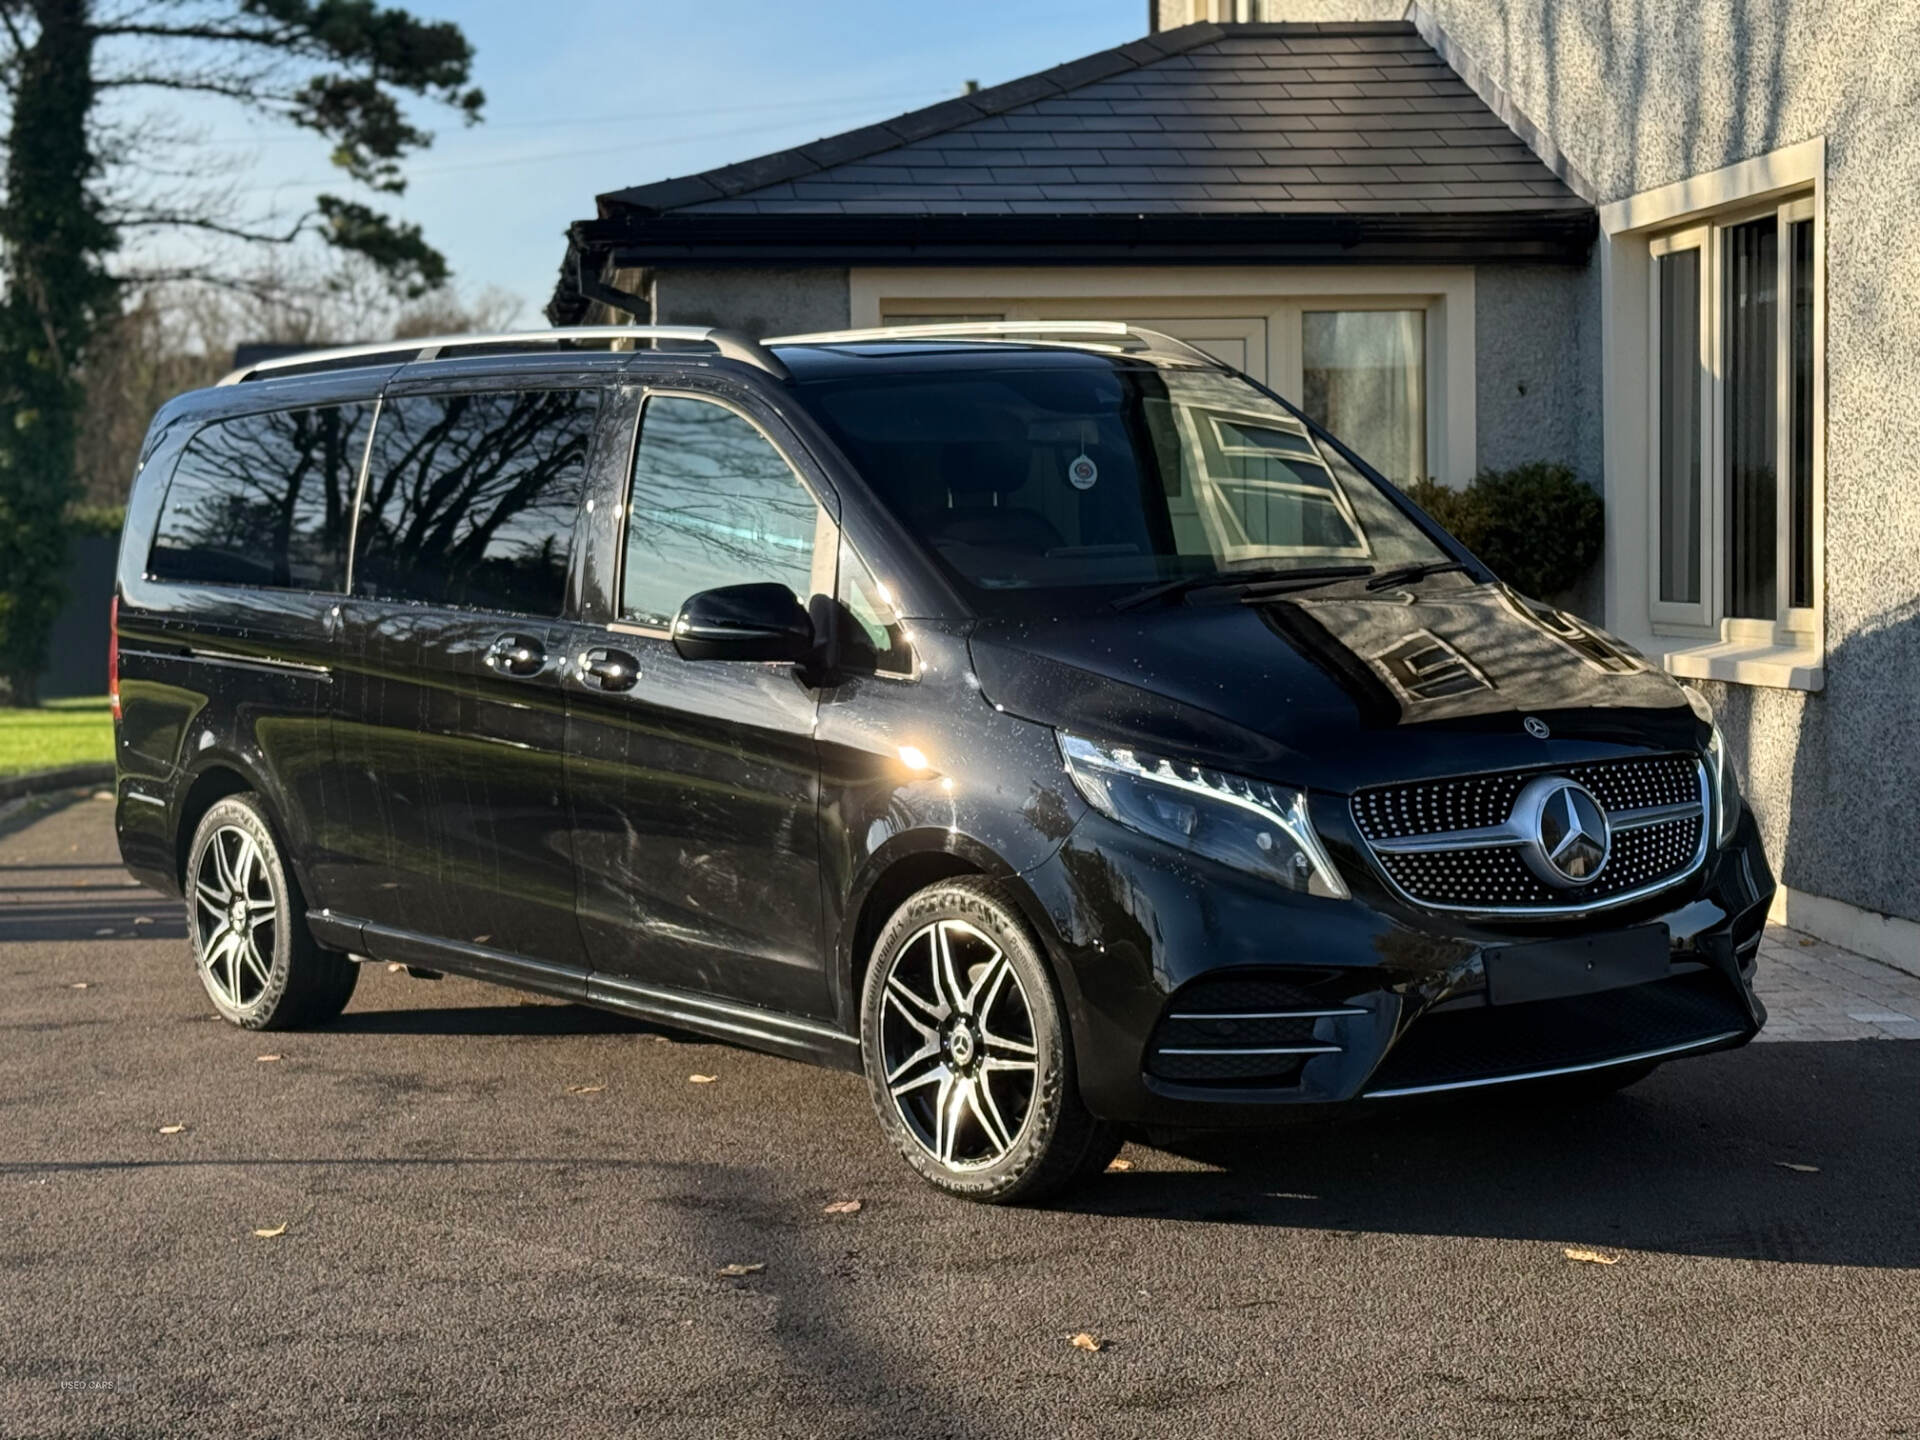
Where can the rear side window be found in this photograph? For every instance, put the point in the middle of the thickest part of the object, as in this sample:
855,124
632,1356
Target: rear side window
471,499
715,504
264,500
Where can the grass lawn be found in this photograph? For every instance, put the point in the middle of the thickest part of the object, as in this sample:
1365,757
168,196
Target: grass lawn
59,733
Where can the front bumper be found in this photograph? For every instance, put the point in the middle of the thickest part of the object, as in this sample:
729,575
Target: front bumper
1198,996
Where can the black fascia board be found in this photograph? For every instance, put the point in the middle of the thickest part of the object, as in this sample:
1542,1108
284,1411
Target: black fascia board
1555,236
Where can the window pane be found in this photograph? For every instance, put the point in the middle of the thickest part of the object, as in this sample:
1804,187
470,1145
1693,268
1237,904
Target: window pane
880,642
1364,375
264,500
1680,388
713,504
1752,423
1800,358
471,499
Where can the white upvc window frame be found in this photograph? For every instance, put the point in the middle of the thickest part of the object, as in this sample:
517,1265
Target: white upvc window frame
1707,618
1700,640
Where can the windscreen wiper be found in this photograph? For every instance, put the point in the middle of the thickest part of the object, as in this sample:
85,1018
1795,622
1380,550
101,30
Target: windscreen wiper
1407,574
1272,579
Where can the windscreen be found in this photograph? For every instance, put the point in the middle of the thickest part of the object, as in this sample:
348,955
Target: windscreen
1077,479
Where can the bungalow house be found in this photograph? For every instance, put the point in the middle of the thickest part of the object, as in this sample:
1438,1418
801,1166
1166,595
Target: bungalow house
1673,246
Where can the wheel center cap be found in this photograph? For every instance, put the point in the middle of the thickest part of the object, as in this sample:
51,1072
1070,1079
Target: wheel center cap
237,915
960,1045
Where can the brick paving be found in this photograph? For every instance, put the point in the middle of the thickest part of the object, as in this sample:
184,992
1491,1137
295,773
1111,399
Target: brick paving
1816,991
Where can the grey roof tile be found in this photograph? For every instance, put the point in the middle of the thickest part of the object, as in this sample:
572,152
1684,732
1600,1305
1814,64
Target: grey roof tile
1259,119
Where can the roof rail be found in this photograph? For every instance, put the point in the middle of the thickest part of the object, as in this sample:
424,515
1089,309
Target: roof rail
728,343
1054,331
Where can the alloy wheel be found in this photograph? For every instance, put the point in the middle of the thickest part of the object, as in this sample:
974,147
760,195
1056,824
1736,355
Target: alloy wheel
234,914
957,1040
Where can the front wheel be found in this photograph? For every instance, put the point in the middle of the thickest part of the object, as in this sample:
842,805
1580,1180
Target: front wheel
967,1053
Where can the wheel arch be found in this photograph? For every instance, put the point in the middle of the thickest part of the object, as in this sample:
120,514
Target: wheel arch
219,776
909,863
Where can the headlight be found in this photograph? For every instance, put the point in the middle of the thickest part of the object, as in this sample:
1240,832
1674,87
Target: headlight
1726,786
1251,825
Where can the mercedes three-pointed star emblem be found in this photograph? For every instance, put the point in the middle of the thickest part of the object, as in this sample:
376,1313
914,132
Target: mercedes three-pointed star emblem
1567,837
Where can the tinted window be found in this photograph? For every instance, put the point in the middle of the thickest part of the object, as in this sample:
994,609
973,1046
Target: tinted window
1068,477
713,504
471,499
264,500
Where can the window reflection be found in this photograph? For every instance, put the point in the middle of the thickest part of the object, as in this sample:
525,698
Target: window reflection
264,500
713,504
471,499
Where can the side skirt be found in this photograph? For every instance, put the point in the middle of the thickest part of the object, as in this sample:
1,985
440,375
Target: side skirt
724,1020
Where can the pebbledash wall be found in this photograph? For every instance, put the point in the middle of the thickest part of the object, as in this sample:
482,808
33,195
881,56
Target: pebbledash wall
1662,98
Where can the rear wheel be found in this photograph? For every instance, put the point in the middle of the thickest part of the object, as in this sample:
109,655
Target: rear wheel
248,925
967,1054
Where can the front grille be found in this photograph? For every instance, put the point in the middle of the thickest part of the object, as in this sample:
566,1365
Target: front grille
1471,1047
1249,1033
1651,845
1468,879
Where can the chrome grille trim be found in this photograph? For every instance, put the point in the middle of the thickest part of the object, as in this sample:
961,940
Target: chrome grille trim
1665,1052
1249,1050
1266,1014
1364,806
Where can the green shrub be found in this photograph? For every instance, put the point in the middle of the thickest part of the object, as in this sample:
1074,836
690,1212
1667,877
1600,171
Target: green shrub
96,521
1537,526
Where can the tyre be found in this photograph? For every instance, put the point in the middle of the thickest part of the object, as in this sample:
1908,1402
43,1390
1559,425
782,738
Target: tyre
247,922
967,1054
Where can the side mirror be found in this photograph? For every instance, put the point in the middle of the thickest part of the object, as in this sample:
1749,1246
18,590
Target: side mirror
743,622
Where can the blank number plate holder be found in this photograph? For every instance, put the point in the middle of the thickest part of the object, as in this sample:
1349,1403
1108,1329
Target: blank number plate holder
1577,965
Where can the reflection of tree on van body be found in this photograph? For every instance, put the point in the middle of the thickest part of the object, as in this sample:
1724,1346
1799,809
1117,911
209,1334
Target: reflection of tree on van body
471,498
265,499
713,504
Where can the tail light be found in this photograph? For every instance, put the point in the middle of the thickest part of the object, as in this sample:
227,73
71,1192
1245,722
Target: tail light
113,657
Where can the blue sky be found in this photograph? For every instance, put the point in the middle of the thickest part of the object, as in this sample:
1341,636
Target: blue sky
585,96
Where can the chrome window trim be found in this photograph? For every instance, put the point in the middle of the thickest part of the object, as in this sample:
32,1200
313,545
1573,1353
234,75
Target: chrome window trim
1634,820
265,662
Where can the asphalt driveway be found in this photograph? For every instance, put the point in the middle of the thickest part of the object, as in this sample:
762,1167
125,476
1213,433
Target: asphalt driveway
490,1215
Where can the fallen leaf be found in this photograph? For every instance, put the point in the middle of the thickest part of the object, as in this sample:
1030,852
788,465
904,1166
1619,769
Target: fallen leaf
274,1233
1592,1257
842,1207
395,969
78,985
1084,1341
1806,944
265,1059
701,1079
143,920
1117,1165
171,1129
1798,1169
736,1270
585,1089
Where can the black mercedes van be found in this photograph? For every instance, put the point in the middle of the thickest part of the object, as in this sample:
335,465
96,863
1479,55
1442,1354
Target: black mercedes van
1048,721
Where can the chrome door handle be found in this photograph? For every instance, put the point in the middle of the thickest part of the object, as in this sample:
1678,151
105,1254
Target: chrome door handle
516,655
609,669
